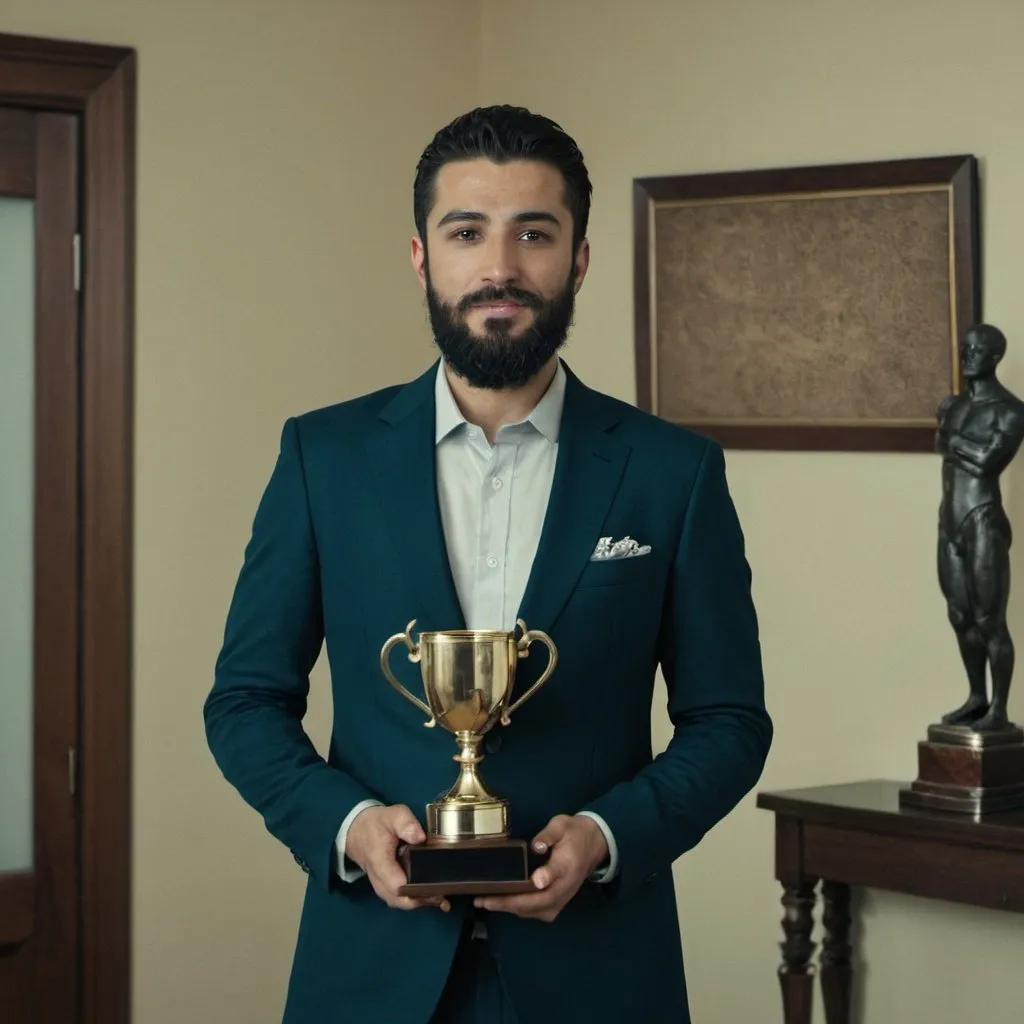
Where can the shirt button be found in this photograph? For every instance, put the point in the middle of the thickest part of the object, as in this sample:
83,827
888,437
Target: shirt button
496,483
492,562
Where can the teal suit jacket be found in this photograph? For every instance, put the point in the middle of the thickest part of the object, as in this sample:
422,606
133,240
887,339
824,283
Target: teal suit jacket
347,546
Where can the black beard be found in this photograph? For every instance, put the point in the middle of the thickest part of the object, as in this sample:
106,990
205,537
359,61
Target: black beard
498,360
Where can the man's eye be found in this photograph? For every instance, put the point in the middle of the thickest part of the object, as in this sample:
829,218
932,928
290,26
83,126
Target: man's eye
538,236
466,234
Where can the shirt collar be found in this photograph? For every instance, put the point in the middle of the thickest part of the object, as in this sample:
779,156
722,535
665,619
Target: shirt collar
545,418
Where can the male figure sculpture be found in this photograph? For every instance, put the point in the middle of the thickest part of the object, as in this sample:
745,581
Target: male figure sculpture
979,433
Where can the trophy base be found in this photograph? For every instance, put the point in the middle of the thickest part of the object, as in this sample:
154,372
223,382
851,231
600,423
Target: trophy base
968,772
459,820
470,867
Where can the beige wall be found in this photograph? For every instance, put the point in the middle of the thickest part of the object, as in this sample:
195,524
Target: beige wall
857,653
276,148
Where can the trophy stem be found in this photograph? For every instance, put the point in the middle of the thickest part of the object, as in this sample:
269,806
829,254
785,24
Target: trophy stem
469,787
468,810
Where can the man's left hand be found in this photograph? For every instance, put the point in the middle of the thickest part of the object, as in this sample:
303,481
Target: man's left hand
577,847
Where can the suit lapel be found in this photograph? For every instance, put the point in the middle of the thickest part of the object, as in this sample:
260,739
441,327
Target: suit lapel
401,456
588,471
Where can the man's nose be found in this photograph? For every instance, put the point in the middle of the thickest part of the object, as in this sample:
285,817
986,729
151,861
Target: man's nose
501,263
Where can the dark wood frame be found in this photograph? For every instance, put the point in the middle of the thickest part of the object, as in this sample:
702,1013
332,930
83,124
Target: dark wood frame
97,84
960,173
41,906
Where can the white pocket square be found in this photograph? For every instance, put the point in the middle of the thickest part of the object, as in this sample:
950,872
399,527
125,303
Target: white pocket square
625,548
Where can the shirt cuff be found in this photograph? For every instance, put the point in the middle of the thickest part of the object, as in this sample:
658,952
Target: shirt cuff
610,870
347,870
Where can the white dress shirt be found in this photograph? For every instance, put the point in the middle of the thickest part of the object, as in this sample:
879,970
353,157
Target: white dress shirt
493,500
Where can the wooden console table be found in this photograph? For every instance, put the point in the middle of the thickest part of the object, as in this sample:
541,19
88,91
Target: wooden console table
857,834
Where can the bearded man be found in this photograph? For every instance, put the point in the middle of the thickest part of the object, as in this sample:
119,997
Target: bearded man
495,487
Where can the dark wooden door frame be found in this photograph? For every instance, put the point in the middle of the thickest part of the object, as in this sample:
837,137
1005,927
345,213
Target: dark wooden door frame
40,908
97,83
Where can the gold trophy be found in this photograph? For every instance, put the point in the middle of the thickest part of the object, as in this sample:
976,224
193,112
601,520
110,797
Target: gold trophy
468,676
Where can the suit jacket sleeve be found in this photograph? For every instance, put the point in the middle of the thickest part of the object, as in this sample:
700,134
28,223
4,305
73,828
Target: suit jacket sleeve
272,639
710,656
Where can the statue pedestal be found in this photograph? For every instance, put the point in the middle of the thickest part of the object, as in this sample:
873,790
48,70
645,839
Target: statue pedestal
969,772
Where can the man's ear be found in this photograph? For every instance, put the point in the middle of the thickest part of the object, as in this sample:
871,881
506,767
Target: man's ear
418,254
582,263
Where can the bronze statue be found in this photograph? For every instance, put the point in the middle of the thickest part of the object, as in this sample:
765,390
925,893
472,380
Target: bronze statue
980,430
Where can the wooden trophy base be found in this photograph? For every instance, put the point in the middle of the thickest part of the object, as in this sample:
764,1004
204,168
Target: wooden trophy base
469,867
968,772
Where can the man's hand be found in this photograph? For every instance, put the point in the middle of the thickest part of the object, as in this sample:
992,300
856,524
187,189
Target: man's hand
577,847
372,841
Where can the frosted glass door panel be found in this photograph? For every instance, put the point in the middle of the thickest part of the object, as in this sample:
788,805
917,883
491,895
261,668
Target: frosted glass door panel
17,505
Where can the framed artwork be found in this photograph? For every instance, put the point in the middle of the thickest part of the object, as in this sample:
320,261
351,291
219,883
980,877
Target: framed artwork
809,308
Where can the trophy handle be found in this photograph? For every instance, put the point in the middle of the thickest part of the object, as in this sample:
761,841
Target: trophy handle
414,657
523,644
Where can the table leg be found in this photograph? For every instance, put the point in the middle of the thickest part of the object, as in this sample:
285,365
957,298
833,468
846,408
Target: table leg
796,974
836,971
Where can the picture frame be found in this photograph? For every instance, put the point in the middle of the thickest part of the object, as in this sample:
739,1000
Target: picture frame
807,308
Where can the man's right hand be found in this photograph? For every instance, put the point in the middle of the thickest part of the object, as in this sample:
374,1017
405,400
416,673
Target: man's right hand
372,841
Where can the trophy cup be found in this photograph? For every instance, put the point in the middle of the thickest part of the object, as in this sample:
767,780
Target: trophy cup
468,677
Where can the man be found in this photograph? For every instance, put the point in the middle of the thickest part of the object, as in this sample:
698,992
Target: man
491,488
980,431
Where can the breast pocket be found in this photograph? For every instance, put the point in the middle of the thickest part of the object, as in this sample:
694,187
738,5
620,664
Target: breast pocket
614,572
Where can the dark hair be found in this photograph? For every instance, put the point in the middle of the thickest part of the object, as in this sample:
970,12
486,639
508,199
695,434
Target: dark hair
504,133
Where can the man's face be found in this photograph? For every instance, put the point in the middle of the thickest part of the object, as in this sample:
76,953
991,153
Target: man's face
501,276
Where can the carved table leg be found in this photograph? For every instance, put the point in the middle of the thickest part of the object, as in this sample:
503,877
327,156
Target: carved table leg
796,974
836,972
